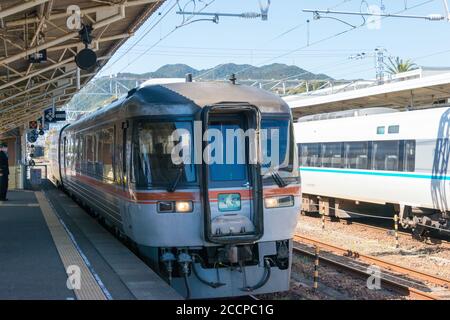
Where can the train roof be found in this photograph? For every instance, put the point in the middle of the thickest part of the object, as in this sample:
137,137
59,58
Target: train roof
347,114
185,99
421,124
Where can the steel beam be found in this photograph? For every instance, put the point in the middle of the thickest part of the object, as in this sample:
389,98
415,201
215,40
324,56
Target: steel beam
62,15
20,7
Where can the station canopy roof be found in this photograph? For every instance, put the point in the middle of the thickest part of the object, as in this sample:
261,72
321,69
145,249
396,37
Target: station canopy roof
418,89
33,29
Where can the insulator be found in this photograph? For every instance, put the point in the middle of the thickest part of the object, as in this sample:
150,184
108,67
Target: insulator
435,17
250,15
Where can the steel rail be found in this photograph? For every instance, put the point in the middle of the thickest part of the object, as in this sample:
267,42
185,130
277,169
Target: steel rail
376,261
441,242
387,283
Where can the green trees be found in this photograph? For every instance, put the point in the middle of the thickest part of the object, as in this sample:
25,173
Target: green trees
397,65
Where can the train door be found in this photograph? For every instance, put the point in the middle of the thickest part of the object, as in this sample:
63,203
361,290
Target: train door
121,156
232,188
65,156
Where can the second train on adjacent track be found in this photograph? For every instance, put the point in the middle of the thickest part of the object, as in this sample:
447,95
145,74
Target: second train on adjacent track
378,160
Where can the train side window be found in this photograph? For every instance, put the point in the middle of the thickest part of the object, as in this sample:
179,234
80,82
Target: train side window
65,153
409,156
310,155
78,155
83,159
380,130
119,162
385,155
394,129
105,151
98,155
303,154
71,151
90,153
332,155
356,155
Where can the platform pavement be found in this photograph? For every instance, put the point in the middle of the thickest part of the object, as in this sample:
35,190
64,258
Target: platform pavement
43,233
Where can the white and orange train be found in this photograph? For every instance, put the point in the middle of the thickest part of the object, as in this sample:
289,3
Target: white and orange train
212,230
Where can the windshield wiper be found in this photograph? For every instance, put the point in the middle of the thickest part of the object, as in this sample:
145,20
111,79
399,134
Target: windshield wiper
174,184
278,179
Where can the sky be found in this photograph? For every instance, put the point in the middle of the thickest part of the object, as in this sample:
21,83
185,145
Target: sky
328,46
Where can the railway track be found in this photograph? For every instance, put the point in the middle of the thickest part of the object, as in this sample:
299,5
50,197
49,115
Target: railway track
396,283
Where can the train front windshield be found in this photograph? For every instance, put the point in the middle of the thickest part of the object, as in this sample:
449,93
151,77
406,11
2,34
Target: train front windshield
153,144
278,149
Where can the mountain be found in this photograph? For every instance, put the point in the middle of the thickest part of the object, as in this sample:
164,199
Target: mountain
223,71
103,90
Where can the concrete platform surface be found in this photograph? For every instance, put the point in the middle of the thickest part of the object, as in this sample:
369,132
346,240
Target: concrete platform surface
51,249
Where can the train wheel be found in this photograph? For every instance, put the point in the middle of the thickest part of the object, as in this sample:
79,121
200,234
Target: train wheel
420,232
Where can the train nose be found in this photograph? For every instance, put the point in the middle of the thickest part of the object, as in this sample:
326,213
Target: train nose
231,224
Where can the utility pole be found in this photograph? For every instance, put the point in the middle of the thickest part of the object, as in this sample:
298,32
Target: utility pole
379,55
379,64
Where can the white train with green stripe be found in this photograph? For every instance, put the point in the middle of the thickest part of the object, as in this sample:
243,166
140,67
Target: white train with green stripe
378,161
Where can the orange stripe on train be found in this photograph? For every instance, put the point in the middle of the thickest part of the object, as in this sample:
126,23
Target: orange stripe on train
153,197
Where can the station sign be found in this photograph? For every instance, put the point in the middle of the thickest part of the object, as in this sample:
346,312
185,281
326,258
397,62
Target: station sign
38,57
52,116
32,136
49,115
60,115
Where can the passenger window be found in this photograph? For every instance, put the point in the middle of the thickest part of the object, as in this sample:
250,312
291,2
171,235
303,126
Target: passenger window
357,155
104,167
394,129
409,156
152,147
380,130
90,146
310,155
80,154
385,155
332,155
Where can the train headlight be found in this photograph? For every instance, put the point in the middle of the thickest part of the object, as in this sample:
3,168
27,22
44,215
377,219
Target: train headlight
279,202
175,206
183,206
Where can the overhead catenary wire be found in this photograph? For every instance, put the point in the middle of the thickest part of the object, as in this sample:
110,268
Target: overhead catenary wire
329,38
303,24
166,36
276,37
146,32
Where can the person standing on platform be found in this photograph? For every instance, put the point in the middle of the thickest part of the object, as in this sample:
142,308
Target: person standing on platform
4,171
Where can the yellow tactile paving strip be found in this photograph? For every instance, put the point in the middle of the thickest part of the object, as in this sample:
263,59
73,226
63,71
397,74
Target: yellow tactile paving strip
2,204
89,289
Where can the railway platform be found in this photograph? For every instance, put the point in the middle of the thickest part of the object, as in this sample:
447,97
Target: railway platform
51,249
